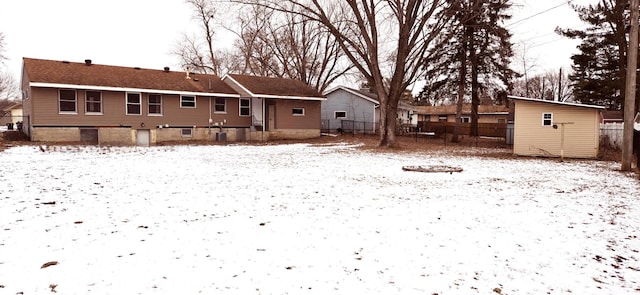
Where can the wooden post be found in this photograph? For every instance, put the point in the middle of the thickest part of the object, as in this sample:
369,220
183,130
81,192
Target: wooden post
630,92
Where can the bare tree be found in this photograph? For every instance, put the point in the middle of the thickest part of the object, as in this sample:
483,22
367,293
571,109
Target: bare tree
382,38
8,85
194,54
273,43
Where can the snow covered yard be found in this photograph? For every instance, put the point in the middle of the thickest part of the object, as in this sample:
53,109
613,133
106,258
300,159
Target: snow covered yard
302,219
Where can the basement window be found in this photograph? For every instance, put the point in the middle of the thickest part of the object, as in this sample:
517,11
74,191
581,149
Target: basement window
297,111
547,119
187,132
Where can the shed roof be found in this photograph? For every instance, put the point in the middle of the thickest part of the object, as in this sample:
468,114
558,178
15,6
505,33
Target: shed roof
366,95
87,75
466,109
517,98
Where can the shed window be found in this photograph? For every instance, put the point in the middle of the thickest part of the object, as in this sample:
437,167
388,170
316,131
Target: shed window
340,114
297,111
67,101
547,119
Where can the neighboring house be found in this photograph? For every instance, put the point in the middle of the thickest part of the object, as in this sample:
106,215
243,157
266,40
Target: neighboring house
11,114
344,103
360,108
486,113
612,117
67,102
555,129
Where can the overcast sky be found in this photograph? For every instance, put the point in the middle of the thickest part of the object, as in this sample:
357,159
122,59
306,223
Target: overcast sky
142,33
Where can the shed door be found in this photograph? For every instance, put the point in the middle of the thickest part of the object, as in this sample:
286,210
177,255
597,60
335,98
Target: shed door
143,137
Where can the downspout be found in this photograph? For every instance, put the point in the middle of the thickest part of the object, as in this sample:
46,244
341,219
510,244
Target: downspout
264,117
210,118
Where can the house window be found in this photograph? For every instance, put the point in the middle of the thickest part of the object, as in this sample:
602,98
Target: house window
155,104
133,104
340,114
465,119
187,101
547,119
220,105
297,111
93,102
442,118
245,107
187,132
67,101
501,121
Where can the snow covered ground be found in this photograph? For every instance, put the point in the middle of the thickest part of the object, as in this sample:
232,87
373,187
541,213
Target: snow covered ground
301,219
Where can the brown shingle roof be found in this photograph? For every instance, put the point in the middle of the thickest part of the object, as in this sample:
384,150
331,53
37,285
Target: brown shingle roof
72,73
466,109
275,86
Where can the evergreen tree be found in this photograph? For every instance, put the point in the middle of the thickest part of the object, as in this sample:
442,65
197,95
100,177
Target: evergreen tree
599,70
473,56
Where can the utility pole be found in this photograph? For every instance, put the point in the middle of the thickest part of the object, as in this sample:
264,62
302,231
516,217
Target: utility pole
560,85
630,92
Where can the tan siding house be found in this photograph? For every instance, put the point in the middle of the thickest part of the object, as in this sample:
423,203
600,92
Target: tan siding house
86,102
555,129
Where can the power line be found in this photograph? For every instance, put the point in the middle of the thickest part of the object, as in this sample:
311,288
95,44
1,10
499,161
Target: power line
539,13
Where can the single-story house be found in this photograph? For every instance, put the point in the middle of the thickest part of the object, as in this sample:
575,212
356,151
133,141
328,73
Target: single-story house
347,108
612,117
555,129
86,102
447,113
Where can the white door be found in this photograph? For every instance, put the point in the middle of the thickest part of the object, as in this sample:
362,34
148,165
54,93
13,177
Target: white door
143,137
272,117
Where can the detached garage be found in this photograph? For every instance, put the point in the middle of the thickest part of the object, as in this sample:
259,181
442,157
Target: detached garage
555,129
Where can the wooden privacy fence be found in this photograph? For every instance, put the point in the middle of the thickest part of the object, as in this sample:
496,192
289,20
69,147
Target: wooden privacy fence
484,129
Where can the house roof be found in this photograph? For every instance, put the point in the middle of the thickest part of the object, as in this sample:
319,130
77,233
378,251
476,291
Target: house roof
269,87
51,73
613,116
466,109
372,97
517,98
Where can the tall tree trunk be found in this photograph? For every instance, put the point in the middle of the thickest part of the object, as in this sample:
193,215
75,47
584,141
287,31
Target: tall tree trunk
461,89
475,100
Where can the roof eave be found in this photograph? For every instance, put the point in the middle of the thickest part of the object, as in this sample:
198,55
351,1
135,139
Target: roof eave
130,89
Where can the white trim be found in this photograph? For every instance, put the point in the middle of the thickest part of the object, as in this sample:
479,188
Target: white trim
195,100
215,103
238,84
556,102
351,91
297,115
86,101
269,95
126,104
550,119
292,97
247,107
126,89
75,101
149,105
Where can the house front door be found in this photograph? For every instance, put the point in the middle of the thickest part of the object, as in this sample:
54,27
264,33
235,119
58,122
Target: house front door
143,137
272,117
